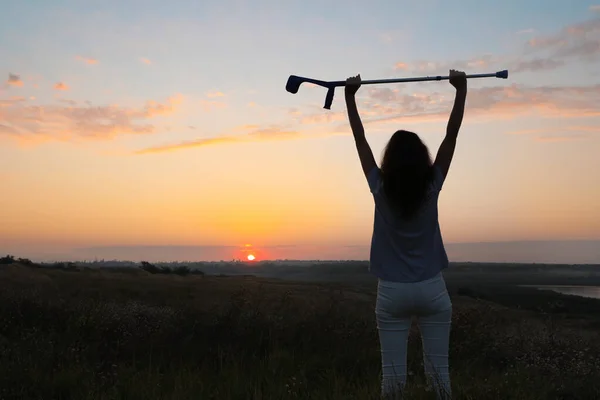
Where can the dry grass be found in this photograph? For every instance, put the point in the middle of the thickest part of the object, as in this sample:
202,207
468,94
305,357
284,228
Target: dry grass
108,335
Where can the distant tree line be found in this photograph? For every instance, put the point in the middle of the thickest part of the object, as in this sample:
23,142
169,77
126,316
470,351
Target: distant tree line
8,259
179,270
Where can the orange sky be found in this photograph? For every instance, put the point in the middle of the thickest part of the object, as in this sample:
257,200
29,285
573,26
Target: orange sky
113,140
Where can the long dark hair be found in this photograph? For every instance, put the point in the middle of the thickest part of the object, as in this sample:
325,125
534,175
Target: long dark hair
407,172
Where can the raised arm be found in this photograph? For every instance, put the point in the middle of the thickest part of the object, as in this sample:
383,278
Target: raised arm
365,154
446,150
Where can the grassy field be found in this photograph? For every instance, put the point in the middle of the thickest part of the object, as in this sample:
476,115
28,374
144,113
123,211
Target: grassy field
128,334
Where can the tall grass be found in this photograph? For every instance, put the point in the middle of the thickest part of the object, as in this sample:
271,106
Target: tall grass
98,335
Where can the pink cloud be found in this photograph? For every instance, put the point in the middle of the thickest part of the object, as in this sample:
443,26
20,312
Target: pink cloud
246,128
401,66
14,80
214,94
9,130
384,94
69,120
87,60
211,105
315,115
189,144
154,108
256,135
145,61
61,86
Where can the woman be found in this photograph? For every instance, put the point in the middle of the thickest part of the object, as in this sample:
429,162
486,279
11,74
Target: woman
407,251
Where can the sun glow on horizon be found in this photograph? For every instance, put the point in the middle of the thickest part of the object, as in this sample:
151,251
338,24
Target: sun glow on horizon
251,257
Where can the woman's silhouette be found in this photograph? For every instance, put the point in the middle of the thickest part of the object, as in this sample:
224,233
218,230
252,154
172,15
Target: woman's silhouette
407,250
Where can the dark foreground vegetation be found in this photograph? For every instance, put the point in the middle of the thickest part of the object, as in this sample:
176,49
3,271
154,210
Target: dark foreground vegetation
81,333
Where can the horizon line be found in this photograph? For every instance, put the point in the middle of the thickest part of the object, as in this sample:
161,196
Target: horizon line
242,261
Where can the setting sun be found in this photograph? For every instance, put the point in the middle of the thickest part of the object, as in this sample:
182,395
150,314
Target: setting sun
250,257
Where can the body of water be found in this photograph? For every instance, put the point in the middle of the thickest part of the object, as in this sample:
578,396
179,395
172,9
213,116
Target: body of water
583,291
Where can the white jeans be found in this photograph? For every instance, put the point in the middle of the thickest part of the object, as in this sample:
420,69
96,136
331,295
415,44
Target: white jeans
430,303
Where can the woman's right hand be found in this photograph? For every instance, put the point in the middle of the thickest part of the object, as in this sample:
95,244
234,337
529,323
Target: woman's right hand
458,79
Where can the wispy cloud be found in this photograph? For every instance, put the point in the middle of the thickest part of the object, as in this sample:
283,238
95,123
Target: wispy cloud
213,101
578,42
211,105
497,102
61,86
559,139
401,66
9,130
380,106
71,120
537,64
383,106
559,134
428,66
271,133
525,31
145,61
14,80
189,144
214,94
87,60
595,8
154,108
246,128
526,131
319,117
572,128
70,102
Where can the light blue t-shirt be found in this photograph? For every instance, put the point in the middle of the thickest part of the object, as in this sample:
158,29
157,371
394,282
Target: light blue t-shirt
406,250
